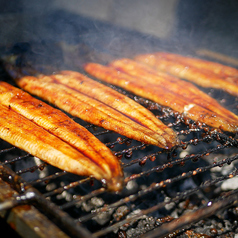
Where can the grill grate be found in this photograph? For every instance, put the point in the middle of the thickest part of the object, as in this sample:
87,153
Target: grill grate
167,192
158,183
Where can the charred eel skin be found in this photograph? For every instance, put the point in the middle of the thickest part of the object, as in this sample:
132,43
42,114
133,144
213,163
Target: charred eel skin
177,86
165,90
204,73
117,101
90,109
51,135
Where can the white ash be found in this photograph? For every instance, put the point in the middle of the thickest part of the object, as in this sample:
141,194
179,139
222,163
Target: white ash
230,184
103,217
120,212
42,173
51,186
227,169
170,205
134,213
67,196
93,203
132,186
183,154
175,214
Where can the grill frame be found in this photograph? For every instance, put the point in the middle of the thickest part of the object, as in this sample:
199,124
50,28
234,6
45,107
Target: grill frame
26,220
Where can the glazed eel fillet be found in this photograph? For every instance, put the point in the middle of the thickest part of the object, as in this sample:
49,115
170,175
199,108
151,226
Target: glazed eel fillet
165,90
92,154
117,101
25,134
203,73
89,109
223,71
178,86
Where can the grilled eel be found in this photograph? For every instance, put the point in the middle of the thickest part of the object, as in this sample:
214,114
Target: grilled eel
89,109
180,87
25,134
211,75
60,125
228,73
164,93
117,101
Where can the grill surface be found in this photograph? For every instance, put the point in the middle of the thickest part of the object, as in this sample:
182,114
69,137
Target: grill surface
185,192
161,185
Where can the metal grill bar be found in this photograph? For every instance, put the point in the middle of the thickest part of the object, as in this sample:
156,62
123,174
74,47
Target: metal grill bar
7,150
227,200
159,186
9,161
81,199
48,178
170,165
32,169
142,160
67,187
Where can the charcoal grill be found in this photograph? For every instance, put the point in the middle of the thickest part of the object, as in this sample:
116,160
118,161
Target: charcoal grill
188,191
